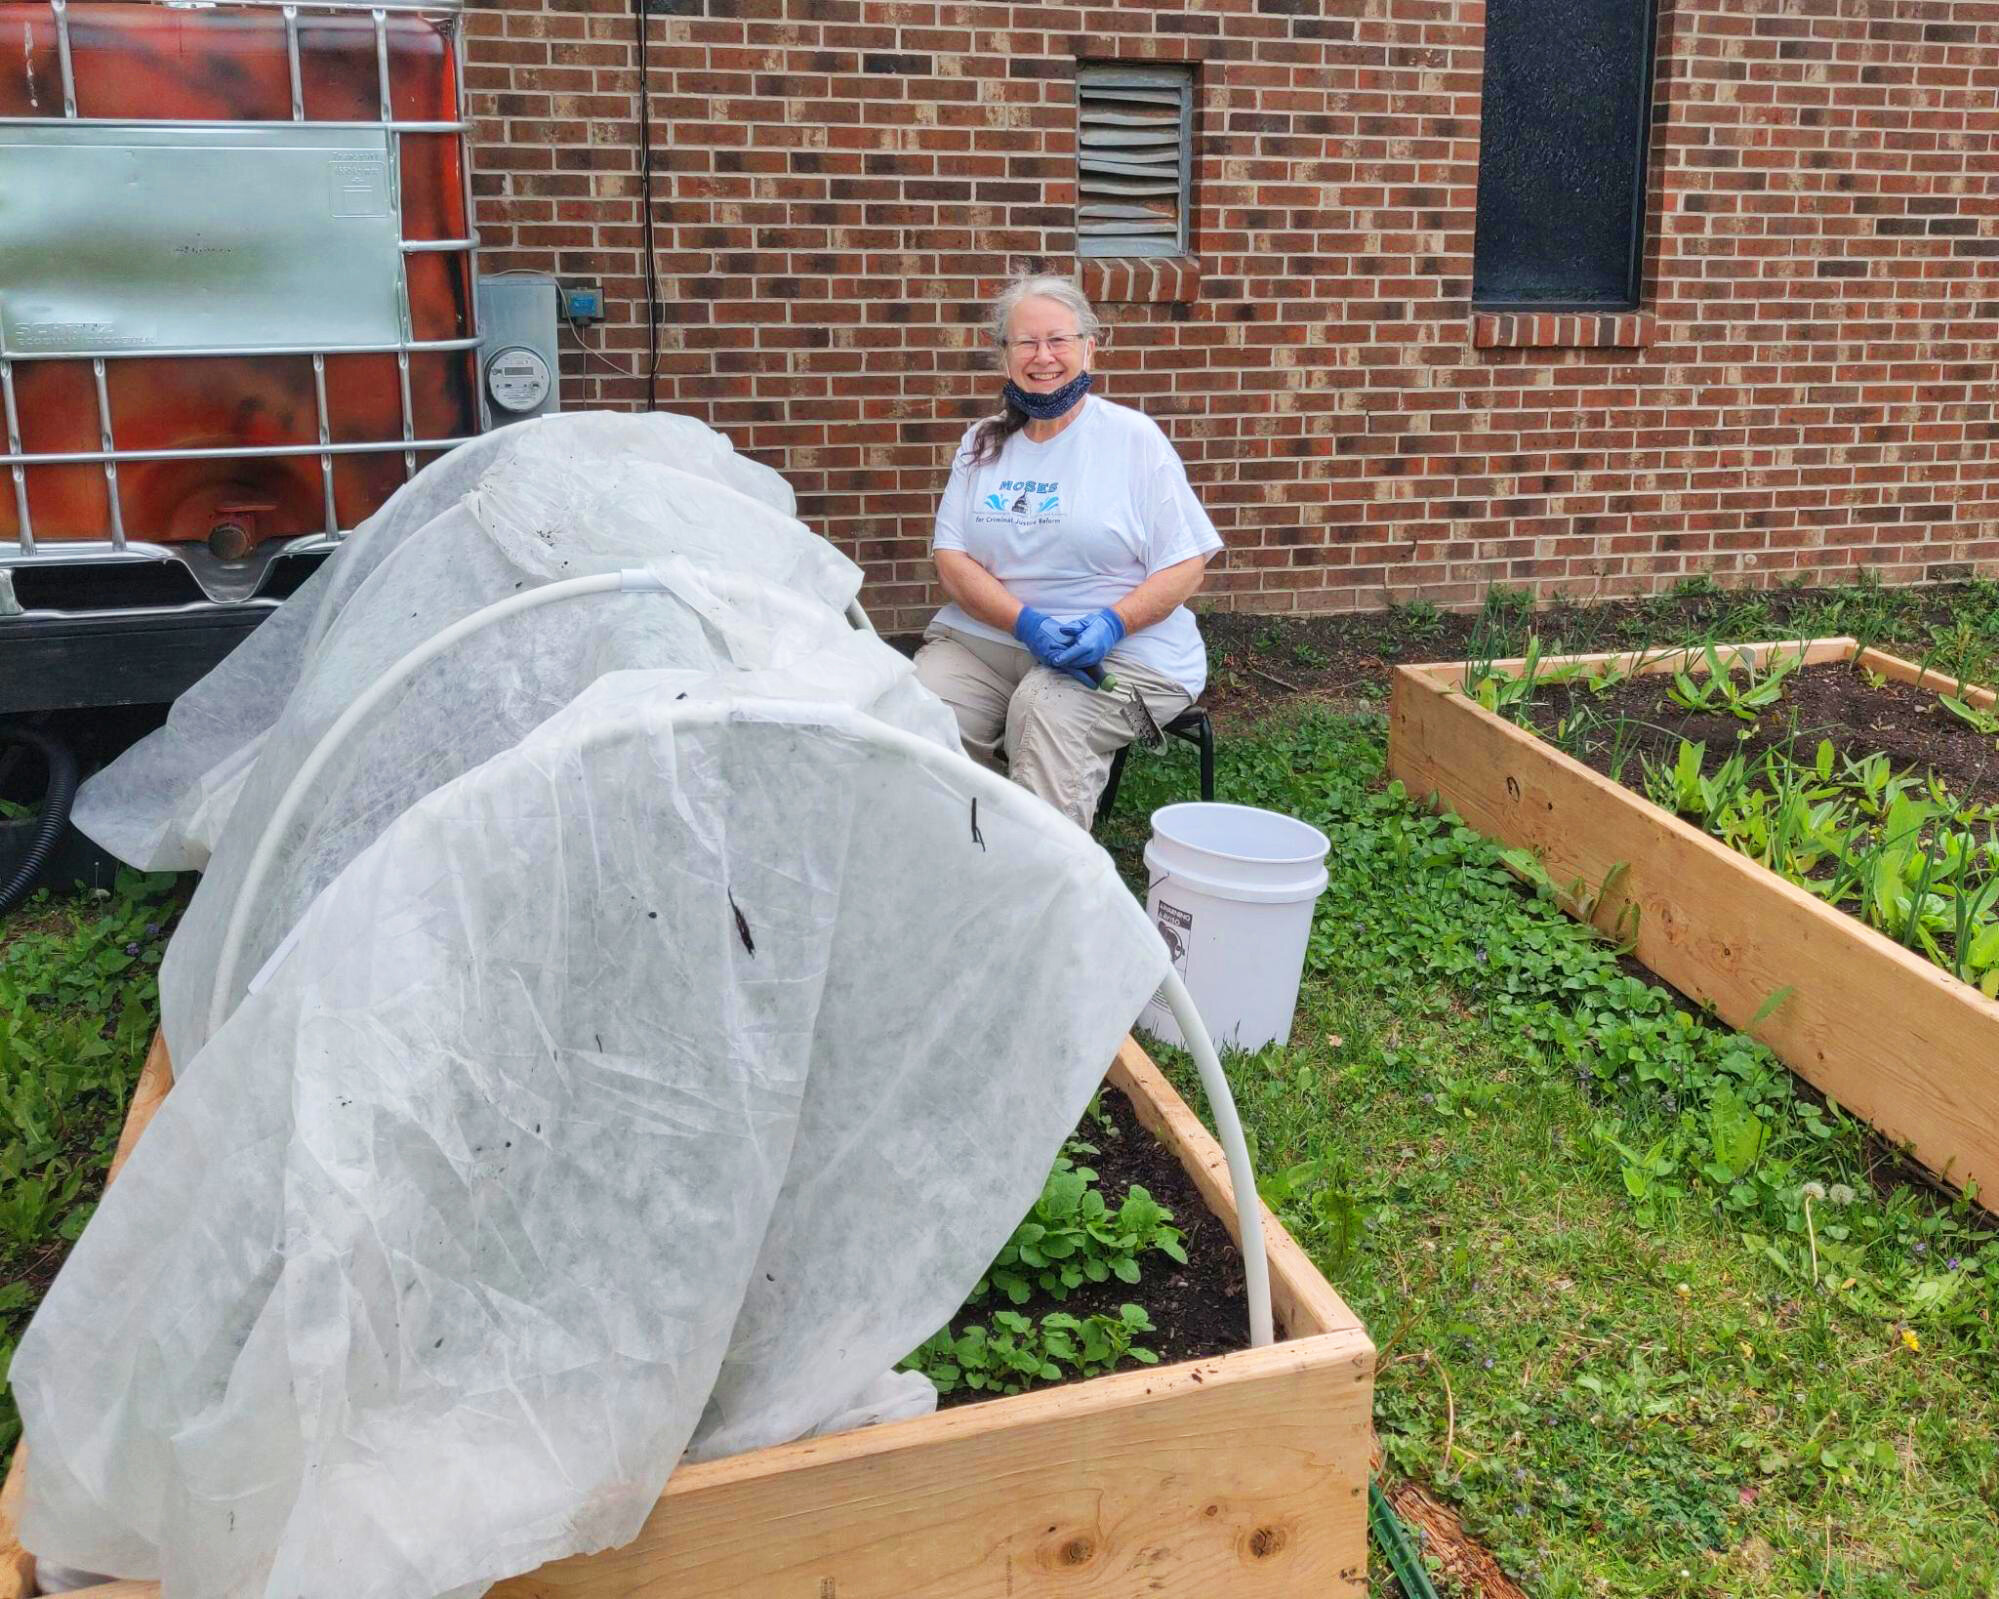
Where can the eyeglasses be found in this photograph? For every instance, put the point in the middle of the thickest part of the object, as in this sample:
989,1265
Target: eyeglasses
1060,344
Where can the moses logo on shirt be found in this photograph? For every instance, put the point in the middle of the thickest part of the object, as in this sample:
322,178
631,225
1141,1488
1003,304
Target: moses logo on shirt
1018,497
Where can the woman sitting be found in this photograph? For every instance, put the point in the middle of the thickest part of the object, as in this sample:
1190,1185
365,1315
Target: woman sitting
1069,542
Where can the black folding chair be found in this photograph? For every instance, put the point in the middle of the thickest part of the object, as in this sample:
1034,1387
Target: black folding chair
1191,724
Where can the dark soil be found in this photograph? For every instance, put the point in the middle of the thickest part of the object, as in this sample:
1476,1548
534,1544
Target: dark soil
1197,1308
1907,724
1258,663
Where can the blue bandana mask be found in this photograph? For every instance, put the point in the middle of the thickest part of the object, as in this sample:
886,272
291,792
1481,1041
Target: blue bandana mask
1047,407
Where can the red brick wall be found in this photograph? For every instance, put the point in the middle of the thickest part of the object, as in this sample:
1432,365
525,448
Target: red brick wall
840,184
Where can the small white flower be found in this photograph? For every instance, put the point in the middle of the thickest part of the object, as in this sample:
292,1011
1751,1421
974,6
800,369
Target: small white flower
1815,1191
1840,1194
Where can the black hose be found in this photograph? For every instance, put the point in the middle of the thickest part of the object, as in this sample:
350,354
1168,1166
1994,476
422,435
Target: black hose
56,800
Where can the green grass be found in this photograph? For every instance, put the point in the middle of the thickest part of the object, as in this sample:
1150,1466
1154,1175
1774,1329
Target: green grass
78,1003
1606,1344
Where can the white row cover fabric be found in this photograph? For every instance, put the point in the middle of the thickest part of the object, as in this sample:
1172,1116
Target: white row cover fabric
660,1081
160,806
531,521
660,1026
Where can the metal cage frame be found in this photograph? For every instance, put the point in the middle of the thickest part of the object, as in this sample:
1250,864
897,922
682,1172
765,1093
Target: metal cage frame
238,580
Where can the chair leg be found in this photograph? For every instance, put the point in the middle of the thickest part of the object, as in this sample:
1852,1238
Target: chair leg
1109,796
1207,760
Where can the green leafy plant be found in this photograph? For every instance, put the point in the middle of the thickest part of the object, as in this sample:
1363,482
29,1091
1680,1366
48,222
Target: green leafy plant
1718,691
1899,853
1327,1191
1072,1236
79,998
1507,693
1737,1136
1418,620
1011,1353
1610,676
1975,716
1686,788
1096,1344
1500,691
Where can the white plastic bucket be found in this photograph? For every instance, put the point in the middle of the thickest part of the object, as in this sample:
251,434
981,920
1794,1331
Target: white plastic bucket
1232,894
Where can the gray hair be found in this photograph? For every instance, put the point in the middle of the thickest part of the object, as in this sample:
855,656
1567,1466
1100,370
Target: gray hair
990,436
1043,286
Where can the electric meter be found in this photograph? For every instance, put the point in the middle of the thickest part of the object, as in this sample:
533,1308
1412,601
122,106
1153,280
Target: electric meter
517,379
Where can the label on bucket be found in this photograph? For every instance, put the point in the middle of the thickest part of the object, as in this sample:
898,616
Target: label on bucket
1176,927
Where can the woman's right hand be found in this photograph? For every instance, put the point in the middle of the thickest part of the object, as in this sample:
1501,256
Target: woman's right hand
1090,639
1042,634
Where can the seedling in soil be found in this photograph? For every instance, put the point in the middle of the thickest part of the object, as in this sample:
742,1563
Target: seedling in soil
1072,1236
1896,851
1012,1353
1718,691
1506,693
1683,788
1983,720
1097,1343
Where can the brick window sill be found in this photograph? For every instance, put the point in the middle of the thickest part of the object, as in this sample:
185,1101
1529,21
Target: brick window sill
1572,330
1141,279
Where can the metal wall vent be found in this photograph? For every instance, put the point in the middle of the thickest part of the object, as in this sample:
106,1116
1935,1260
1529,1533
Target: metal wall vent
1134,160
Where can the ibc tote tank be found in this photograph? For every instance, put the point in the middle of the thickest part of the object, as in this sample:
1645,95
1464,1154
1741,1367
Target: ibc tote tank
236,289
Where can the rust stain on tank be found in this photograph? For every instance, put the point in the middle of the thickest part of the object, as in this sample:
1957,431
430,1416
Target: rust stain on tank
209,67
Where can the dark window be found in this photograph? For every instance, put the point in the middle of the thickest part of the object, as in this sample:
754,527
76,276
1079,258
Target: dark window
1561,161
1134,160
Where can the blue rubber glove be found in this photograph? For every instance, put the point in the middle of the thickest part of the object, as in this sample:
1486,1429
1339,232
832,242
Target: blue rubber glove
1041,633
1092,638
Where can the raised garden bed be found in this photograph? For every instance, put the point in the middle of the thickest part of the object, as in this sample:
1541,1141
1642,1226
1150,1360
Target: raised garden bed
1871,1021
1242,1473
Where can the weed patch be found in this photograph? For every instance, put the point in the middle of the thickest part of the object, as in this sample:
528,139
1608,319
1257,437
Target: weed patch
78,1004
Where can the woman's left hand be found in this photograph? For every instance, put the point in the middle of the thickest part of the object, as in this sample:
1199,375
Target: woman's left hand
1095,636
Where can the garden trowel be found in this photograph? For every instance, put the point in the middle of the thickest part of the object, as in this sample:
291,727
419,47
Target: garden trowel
1137,715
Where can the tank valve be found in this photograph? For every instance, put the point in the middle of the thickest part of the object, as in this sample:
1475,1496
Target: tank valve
229,541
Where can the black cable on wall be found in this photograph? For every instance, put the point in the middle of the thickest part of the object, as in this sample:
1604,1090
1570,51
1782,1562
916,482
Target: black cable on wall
651,265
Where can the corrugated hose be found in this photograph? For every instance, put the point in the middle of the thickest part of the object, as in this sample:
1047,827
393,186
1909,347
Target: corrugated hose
56,800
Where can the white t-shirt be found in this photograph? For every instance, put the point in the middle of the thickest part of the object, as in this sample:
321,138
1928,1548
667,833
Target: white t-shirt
1079,522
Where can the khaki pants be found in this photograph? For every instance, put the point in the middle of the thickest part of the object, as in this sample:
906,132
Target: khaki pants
1057,736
